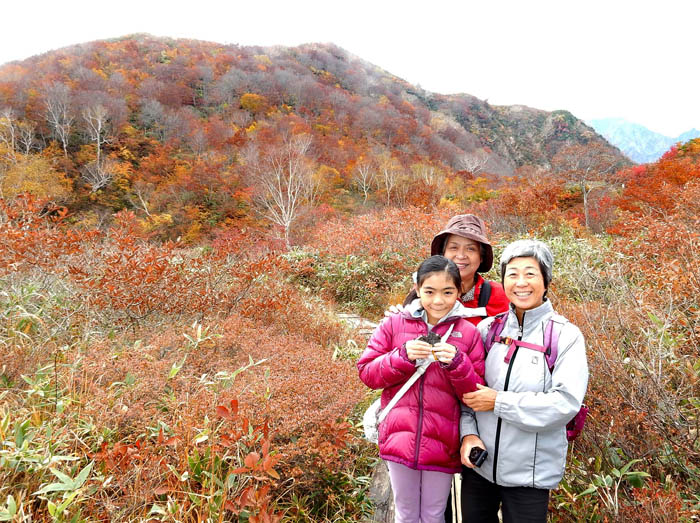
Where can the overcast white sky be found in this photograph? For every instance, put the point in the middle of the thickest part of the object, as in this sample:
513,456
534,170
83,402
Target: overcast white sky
616,58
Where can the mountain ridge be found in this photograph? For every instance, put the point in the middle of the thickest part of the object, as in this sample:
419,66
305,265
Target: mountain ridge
184,131
506,133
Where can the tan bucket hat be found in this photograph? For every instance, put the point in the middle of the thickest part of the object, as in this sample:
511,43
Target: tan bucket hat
466,226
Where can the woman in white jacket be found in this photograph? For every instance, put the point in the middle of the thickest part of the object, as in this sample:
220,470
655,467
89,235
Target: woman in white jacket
520,417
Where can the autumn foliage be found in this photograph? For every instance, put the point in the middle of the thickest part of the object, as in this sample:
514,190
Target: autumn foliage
256,358
180,226
182,133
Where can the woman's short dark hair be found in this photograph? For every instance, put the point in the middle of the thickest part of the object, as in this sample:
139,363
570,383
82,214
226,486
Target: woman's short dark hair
430,266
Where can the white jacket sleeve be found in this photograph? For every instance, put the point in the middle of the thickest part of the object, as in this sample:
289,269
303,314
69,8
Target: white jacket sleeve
537,411
467,422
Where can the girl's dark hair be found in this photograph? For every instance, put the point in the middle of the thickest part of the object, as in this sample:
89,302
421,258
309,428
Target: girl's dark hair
431,266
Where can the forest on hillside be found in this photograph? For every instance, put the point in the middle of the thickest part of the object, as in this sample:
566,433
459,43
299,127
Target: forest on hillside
192,135
170,345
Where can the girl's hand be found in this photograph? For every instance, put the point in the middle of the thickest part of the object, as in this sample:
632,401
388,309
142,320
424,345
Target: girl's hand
482,399
416,349
444,352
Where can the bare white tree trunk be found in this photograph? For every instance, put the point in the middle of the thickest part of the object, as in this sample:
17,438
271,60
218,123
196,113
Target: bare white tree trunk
428,174
26,136
587,167
58,113
284,176
98,174
364,178
96,117
8,134
389,177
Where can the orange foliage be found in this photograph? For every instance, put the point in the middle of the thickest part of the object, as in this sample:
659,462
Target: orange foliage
394,230
527,202
32,234
655,186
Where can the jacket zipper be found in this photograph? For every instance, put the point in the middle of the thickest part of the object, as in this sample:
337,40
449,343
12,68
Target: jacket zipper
505,387
420,415
420,418
420,421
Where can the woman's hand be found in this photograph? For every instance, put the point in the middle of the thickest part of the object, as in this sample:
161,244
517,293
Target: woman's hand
468,443
394,309
416,349
482,399
444,352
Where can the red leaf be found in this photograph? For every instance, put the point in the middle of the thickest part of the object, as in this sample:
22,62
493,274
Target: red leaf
267,463
244,499
223,412
251,460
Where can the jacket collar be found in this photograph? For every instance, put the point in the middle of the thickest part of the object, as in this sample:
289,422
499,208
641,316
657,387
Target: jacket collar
416,311
534,317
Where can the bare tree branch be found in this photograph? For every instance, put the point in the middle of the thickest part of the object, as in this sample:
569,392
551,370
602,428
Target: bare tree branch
364,178
284,176
58,113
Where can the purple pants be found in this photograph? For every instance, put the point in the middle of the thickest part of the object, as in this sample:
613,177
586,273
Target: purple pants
419,495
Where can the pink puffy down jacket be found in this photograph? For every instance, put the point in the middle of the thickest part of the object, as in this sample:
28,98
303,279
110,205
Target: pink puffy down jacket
422,430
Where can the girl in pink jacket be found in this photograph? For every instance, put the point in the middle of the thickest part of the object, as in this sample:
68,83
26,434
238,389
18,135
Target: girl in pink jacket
419,439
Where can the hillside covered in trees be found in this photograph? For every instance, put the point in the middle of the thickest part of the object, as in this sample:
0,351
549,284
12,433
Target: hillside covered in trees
192,135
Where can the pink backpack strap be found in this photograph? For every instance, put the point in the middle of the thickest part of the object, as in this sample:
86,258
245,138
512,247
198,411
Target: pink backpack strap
495,329
512,344
550,349
551,344
551,339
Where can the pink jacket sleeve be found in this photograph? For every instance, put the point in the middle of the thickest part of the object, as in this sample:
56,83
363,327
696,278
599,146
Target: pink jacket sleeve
467,367
382,364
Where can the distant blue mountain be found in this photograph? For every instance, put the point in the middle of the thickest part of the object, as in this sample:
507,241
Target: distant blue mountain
689,135
637,142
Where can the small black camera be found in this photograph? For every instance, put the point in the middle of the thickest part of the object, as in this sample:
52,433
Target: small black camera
477,456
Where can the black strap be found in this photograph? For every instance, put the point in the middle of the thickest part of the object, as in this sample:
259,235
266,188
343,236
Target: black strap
485,294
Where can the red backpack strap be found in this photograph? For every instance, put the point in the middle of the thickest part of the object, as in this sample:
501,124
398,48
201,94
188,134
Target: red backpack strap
495,329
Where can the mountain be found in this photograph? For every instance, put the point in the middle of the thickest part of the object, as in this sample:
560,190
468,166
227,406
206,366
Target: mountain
182,130
322,83
636,141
